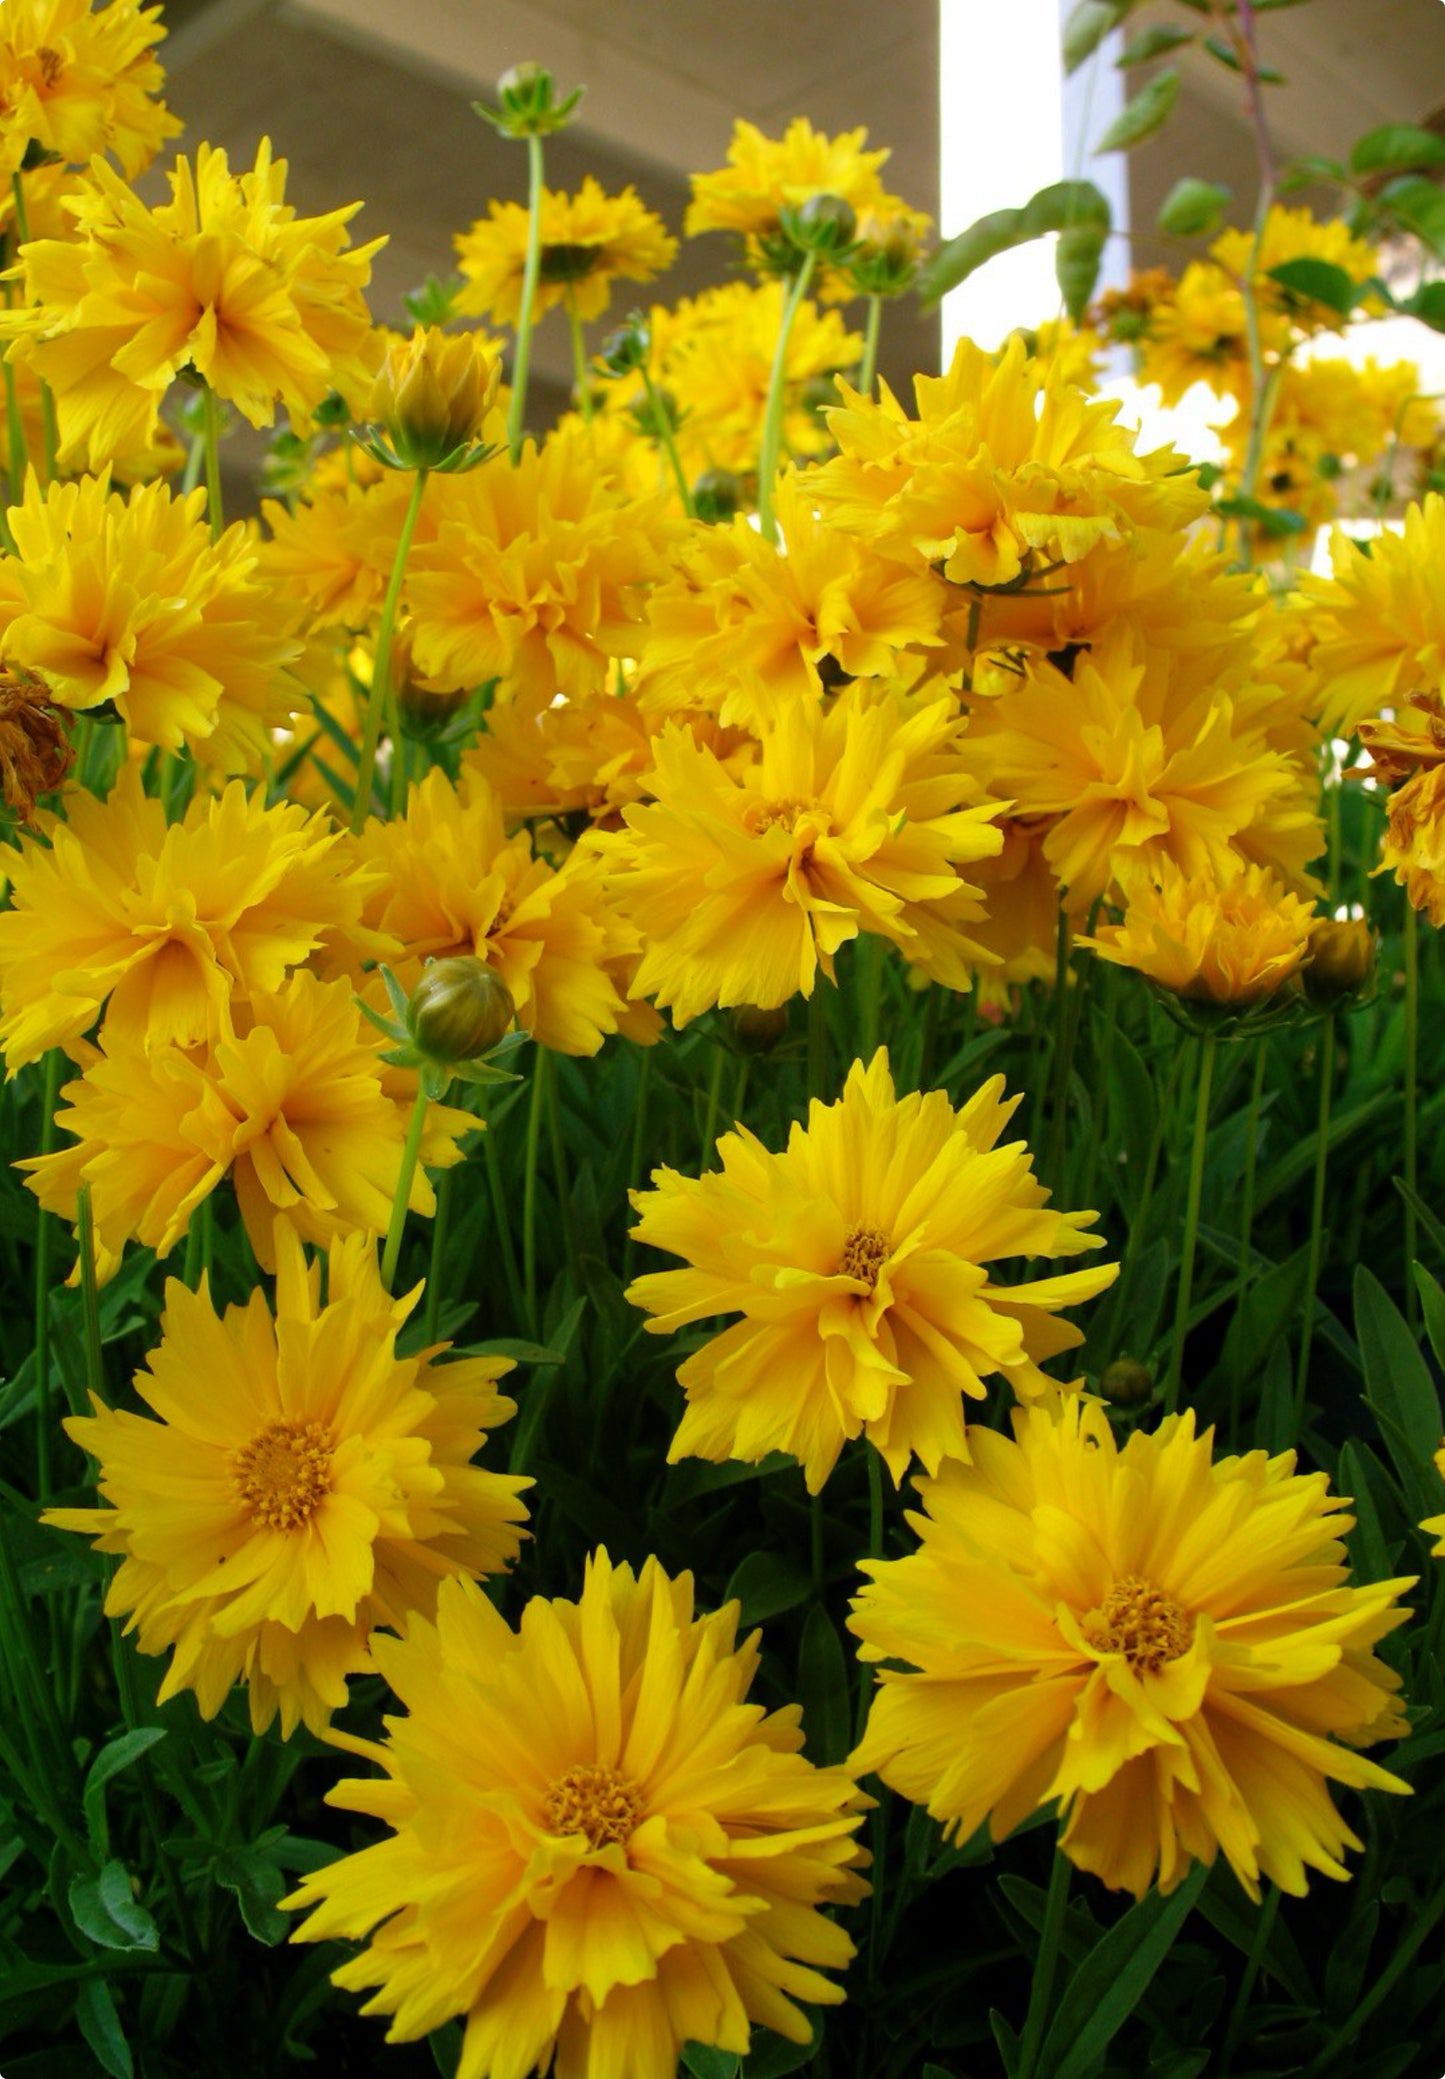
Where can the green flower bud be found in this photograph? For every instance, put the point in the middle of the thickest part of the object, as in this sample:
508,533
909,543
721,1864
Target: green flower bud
824,224
717,496
1341,962
528,108
459,1009
1127,1382
626,348
757,1031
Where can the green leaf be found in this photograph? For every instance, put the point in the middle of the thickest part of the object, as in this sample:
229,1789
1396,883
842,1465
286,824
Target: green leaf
1396,148
1419,206
1218,48
823,1689
1355,1478
1423,1213
1006,2040
705,2062
1066,205
1088,24
1193,207
1112,1979
106,1910
1270,519
100,2026
1152,43
1142,116
1303,173
110,1761
1428,305
445,2045
258,1885
1319,282
773,2056
1077,258
1432,1299
958,258
766,1584
1399,1390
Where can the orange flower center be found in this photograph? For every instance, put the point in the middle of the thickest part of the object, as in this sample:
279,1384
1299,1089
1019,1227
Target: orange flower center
592,1799
284,1473
776,815
863,1255
52,64
1138,1620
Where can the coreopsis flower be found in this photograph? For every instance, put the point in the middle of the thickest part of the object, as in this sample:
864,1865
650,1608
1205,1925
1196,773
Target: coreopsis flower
77,79
1234,937
1007,469
35,751
164,926
1167,1643
1138,759
550,759
1413,847
1289,235
431,397
295,1107
329,557
858,1259
449,880
535,574
1380,619
124,598
747,627
600,1851
224,279
1194,331
589,241
744,879
297,1484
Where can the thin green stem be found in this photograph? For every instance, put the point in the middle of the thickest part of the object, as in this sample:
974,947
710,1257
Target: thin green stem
870,992
531,270
90,1297
211,441
561,1177
710,1110
1063,1047
634,1156
44,1243
502,1218
581,373
529,1188
376,698
817,1042
16,434
1420,1928
1412,1107
410,1154
817,1562
1263,1929
1191,1225
1246,1216
772,442
434,1266
660,417
1317,1219
1042,1989
868,366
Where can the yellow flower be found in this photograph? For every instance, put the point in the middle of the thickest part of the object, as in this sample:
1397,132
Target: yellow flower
76,79
743,882
1007,468
164,926
1168,1644
432,394
1381,619
125,598
1289,235
449,880
331,557
1436,1524
551,758
857,1260
1138,759
303,1484
1413,847
599,1850
294,1107
1197,333
589,240
535,574
747,627
1230,938
224,279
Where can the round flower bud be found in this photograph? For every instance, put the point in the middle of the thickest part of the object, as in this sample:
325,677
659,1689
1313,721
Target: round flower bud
1127,1382
758,1031
459,1009
423,713
824,224
432,393
717,496
1341,961
527,106
625,349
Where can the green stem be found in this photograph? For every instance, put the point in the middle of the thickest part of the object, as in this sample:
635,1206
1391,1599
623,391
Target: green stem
868,366
710,1111
1412,1096
817,1042
211,439
661,419
1191,1225
1041,1991
1063,1048
581,374
1263,1929
90,1295
634,1158
529,1189
560,1173
502,1218
16,432
1317,1219
44,1240
1349,2033
381,665
870,992
772,443
1246,1217
410,1153
531,270
434,1265
815,1544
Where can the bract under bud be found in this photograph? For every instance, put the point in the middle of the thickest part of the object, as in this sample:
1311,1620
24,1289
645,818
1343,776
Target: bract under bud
459,1009
432,394
528,107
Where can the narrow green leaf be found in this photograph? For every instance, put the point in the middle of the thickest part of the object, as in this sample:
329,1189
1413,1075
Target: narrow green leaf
823,1689
1218,48
1067,205
1006,2040
1366,1540
1426,1217
958,258
1077,258
445,2045
110,1761
1432,1299
1088,24
1271,519
1152,43
1142,116
1399,1390
773,2056
1112,1979
1396,148
100,2026
766,1584
1193,207
1318,282
705,2062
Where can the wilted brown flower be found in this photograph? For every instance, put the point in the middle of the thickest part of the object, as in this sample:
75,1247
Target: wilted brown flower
35,752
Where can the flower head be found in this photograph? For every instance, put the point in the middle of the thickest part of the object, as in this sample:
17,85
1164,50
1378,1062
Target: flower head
599,1850
1381,619
301,1484
589,241
35,751
858,1260
1229,938
1167,1643
431,396
76,79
